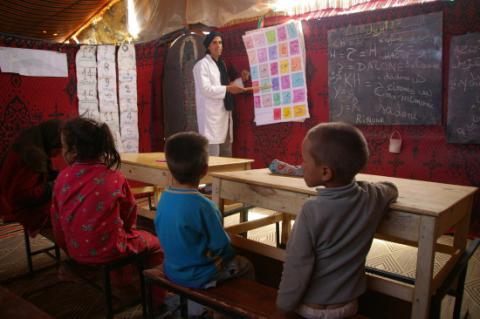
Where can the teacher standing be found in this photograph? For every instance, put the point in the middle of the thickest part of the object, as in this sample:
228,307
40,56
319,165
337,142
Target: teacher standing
213,96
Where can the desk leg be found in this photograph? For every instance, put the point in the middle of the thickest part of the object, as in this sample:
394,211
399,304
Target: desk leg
462,227
286,228
216,185
425,257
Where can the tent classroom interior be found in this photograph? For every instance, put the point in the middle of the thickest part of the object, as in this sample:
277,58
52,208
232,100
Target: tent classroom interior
439,129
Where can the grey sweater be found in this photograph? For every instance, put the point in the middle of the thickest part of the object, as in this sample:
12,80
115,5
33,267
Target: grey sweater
330,240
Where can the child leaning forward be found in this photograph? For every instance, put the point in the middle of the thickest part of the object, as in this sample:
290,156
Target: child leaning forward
323,274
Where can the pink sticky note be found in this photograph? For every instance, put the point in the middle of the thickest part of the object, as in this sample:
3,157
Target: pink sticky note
274,68
298,95
248,42
259,40
285,81
262,55
294,47
281,34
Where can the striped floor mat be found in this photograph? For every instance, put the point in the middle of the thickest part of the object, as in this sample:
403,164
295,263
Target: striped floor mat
10,230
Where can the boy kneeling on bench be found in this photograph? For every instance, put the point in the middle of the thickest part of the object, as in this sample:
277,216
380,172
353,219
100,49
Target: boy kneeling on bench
197,251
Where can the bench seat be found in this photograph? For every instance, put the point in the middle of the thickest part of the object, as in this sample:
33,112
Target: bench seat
240,298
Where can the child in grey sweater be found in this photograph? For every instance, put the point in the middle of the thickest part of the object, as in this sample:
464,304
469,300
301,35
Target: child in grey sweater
323,274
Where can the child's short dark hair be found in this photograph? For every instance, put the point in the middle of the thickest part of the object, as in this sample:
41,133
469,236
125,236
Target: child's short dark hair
187,156
340,146
90,140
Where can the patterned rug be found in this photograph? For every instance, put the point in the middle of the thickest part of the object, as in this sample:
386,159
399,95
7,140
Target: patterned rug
10,230
62,299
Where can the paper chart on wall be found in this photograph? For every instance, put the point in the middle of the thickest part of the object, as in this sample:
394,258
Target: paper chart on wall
127,83
107,90
86,64
277,67
31,62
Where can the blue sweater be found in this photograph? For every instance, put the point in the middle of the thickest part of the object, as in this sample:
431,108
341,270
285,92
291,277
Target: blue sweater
190,231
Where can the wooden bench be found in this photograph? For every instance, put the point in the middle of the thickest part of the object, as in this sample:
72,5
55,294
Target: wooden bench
238,298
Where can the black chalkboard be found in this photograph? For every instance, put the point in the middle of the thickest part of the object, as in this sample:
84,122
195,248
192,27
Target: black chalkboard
463,121
387,72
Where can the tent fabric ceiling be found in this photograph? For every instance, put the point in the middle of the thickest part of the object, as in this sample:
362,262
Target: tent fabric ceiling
57,21
47,20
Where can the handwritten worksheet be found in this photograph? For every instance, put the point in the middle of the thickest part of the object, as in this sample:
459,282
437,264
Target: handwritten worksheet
277,67
97,90
107,90
86,63
127,92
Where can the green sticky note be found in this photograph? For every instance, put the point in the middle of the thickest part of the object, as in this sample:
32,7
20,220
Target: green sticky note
271,36
276,99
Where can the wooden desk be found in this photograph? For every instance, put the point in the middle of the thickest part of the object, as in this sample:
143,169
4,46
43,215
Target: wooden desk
424,211
151,168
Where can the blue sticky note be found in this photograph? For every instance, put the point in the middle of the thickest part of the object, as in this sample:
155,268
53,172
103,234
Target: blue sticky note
297,80
286,97
254,70
292,30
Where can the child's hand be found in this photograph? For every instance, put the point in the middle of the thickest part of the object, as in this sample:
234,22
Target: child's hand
245,75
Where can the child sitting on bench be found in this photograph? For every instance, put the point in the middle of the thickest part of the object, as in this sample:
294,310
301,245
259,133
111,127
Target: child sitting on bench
93,211
197,250
323,274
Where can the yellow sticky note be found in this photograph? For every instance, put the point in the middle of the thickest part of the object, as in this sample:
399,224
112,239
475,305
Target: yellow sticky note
287,112
299,110
284,67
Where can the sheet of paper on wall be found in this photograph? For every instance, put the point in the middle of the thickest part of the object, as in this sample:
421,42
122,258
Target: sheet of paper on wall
277,67
127,89
86,64
107,90
30,62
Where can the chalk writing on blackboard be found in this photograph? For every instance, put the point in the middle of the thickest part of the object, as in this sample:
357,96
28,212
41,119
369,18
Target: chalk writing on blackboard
387,72
463,120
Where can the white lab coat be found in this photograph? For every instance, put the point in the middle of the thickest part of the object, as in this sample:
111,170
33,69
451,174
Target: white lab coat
214,121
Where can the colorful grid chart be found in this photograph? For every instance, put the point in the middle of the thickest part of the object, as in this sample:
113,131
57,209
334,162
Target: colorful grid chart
277,66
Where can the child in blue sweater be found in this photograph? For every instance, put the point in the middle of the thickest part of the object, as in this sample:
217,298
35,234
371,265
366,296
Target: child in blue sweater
197,250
